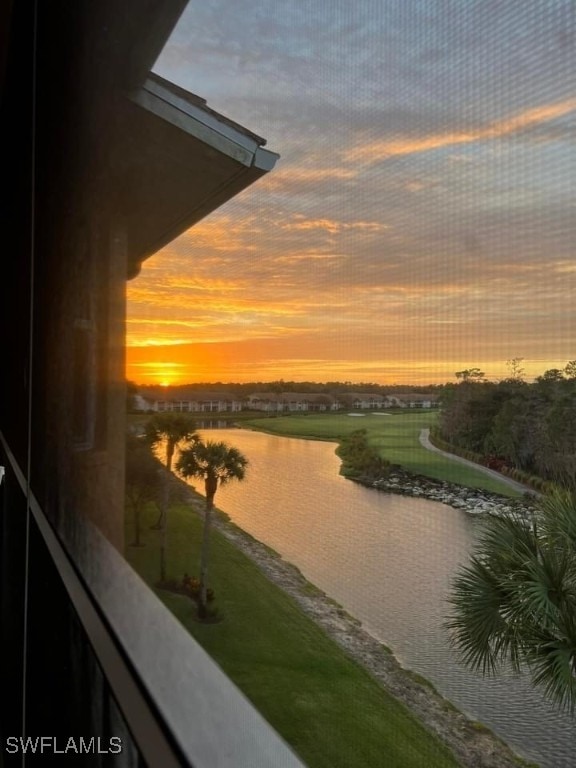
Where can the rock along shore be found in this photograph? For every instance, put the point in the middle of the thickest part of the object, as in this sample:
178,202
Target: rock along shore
471,500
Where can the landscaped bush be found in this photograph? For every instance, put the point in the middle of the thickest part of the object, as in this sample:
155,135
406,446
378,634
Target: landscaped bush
496,463
188,585
359,459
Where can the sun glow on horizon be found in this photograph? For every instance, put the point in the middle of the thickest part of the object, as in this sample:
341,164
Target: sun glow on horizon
273,360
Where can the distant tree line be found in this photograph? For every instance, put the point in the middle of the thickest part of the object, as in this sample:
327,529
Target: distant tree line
531,427
329,387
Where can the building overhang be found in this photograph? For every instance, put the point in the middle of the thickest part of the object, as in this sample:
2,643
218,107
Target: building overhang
141,152
181,160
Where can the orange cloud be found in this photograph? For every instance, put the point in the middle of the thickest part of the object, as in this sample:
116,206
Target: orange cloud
293,176
332,226
526,119
222,233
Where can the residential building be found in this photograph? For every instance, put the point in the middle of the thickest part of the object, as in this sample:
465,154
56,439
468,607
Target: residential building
364,400
291,402
413,400
161,399
283,402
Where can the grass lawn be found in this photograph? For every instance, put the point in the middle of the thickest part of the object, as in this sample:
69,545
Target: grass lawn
395,436
323,704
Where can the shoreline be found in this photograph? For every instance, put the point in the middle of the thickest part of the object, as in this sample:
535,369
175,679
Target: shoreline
473,744
473,501
426,482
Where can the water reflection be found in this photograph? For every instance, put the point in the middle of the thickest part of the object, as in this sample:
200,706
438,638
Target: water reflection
389,561
211,423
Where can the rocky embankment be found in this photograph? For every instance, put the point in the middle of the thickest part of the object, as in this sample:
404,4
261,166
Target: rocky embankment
471,500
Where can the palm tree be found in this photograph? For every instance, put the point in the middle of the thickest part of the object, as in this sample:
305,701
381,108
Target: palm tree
216,464
516,600
174,429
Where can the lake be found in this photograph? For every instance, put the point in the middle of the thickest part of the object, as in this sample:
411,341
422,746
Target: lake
389,561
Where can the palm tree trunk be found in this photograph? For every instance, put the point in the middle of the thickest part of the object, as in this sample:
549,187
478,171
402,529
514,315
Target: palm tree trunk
204,556
160,524
164,527
136,505
137,527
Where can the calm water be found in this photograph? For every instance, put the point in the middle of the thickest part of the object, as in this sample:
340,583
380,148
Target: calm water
389,561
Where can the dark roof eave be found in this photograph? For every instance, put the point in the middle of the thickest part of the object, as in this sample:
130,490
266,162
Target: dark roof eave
184,143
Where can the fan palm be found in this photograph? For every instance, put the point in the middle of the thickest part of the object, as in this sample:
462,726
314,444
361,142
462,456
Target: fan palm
515,601
173,429
216,463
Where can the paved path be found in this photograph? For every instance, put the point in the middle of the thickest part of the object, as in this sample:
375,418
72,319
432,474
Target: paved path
425,442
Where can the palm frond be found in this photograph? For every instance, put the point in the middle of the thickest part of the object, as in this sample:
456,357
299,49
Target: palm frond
217,459
478,627
516,599
554,669
559,517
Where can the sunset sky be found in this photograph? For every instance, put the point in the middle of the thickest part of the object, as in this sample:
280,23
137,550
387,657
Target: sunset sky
421,218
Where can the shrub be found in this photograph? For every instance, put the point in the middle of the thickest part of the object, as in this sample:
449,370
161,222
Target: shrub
359,459
190,585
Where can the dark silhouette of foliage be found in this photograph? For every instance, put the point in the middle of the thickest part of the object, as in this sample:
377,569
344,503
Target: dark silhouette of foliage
359,459
531,427
143,482
173,429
